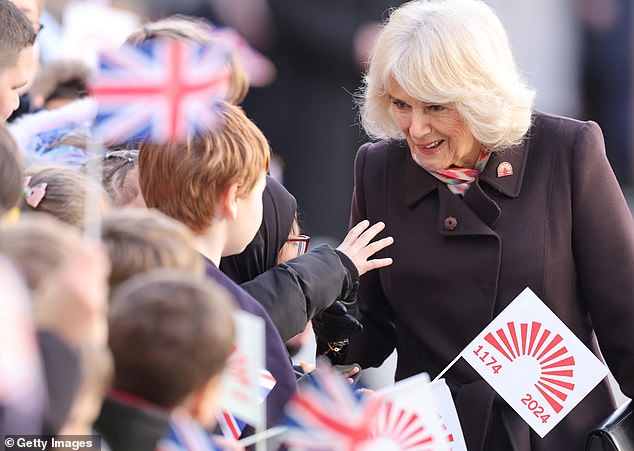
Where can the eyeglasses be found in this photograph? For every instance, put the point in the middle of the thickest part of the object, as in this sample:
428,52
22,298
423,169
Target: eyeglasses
300,242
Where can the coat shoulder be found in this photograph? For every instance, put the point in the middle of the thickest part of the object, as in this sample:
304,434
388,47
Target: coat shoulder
561,126
378,152
386,145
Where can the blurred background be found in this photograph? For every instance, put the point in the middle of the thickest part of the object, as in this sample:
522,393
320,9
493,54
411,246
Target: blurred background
578,54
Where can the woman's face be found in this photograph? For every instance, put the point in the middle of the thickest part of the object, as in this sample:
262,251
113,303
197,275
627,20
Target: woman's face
437,135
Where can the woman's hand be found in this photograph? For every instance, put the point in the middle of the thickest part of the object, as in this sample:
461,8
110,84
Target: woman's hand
356,245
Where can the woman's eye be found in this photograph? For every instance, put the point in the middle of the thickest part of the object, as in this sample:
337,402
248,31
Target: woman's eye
436,108
399,104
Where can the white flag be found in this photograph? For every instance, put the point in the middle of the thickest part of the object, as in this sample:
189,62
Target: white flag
240,393
533,361
446,410
408,418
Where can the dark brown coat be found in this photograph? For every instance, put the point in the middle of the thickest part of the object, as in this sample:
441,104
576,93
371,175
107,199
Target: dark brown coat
559,225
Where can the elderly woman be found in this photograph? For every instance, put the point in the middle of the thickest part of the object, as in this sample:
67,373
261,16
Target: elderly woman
484,197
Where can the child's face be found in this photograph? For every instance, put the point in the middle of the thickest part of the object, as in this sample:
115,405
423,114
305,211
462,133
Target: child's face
288,250
12,79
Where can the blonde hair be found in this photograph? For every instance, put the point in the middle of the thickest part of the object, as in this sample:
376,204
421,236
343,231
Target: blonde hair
448,51
139,240
66,192
11,171
200,32
185,179
38,244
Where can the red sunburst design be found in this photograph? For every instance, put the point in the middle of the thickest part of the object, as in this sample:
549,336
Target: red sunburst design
555,361
406,429
448,435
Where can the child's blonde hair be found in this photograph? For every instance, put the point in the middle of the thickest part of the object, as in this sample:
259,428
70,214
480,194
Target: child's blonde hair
65,192
11,171
139,240
38,244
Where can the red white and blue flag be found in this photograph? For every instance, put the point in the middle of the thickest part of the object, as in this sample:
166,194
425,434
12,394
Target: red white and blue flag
327,415
163,90
185,434
232,426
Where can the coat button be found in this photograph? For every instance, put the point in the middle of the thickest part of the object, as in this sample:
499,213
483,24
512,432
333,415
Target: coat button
450,223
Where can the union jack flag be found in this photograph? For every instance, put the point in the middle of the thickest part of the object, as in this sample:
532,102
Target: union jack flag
327,415
163,90
185,434
231,426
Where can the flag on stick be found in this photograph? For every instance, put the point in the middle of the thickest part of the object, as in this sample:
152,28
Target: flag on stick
534,362
245,382
448,416
232,426
327,415
410,402
163,90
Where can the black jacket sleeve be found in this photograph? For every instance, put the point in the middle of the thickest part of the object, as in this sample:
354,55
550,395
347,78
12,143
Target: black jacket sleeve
294,292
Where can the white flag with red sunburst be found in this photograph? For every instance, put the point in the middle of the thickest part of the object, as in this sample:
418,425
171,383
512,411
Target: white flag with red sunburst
325,415
408,419
533,361
446,410
242,383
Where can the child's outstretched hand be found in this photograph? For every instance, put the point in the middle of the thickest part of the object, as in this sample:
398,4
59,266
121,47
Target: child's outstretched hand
358,247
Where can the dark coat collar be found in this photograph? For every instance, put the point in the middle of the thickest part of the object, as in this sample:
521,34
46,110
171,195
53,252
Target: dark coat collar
419,183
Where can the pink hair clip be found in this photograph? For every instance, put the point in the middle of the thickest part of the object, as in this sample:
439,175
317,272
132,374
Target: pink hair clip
33,195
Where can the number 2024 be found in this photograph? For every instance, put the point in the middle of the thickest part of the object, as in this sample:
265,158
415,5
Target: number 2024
534,406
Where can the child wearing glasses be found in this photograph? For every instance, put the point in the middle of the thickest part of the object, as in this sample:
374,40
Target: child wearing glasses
294,286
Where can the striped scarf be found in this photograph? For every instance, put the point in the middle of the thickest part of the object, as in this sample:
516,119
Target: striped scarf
459,180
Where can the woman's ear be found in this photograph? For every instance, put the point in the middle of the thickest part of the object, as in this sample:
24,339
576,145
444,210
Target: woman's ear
230,201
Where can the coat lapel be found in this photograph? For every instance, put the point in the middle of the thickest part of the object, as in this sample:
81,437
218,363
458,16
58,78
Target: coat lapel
513,157
418,183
